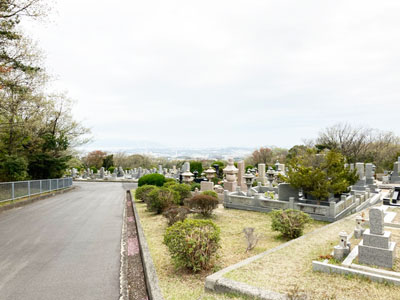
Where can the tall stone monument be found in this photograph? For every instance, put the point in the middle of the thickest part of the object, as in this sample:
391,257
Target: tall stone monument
361,183
376,248
261,174
241,171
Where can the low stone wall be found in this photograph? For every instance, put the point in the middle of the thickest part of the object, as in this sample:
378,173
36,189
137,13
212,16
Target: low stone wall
330,213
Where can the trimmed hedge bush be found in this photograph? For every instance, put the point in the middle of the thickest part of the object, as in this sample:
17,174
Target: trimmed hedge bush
193,243
203,204
183,190
290,222
152,179
161,198
142,193
210,193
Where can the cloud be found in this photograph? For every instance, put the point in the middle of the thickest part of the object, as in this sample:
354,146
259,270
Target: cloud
217,73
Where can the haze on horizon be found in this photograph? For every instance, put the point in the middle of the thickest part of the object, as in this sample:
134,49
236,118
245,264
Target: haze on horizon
227,73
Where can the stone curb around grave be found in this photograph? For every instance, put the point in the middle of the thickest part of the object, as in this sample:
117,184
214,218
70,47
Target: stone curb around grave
328,268
35,198
150,273
218,283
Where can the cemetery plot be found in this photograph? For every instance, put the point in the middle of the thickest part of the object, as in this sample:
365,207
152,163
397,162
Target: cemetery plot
291,266
181,284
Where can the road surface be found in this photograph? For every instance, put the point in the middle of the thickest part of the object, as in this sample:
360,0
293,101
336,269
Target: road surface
65,247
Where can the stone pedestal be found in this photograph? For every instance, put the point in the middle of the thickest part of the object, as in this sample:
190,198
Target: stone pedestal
395,177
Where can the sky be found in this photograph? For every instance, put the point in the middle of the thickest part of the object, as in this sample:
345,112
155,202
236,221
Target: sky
183,73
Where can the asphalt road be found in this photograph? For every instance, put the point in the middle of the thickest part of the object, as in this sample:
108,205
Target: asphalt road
65,247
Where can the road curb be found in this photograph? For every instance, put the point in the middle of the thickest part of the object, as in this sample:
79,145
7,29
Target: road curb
34,199
153,288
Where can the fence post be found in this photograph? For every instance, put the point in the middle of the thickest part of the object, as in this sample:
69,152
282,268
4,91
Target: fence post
29,188
40,189
49,185
57,184
12,191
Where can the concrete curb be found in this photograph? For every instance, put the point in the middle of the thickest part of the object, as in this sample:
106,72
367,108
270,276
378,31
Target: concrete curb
35,198
152,283
123,282
218,283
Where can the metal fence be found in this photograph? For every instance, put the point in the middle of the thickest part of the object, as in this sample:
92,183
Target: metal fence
10,191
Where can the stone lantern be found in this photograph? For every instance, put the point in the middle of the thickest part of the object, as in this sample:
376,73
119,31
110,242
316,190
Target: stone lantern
187,177
271,176
210,173
230,172
249,181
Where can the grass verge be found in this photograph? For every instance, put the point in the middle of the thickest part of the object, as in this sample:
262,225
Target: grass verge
182,284
292,266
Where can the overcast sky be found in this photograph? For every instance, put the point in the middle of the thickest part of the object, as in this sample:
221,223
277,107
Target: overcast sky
224,73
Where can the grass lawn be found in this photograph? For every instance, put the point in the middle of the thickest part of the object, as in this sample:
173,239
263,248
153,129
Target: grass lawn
292,266
181,284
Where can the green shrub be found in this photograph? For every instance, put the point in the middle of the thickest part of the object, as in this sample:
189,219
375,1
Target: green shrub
111,169
142,193
210,193
152,179
183,190
161,198
94,169
176,213
203,204
170,183
194,185
193,243
290,222
170,180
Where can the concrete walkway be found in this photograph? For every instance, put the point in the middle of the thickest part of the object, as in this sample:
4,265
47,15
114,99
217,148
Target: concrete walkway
64,247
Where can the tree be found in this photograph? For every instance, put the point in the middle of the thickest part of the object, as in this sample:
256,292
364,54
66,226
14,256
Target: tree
320,174
108,161
196,166
261,156
360,144
95,159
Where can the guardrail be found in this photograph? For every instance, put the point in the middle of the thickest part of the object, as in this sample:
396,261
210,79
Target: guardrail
10,191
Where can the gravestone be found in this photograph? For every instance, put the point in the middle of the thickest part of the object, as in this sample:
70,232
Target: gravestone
206,186
101,173
395,177
343,249
121,172
361,183
376,248
160,170
186,167
240,181
261,174
369,173
230,173
286,191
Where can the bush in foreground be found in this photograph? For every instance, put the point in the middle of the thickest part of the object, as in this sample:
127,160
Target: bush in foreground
142,193
152,179
161,198
183,190
203,204
290,222
192,243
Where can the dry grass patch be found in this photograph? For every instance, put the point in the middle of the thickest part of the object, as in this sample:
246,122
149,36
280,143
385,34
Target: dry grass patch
292,265
181,284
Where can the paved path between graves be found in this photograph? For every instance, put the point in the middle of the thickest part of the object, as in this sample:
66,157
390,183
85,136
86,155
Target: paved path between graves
64,247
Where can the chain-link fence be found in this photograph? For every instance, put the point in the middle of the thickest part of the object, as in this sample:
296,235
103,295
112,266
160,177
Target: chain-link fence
10,191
